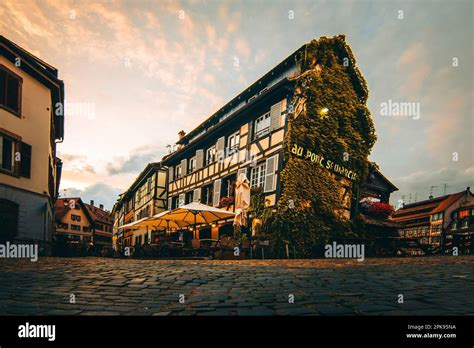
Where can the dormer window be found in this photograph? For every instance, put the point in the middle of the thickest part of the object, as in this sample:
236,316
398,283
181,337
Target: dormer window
177,173
192,164
262,125
210,155
233,143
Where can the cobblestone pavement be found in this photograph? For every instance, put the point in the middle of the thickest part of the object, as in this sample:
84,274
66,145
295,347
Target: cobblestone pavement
100,286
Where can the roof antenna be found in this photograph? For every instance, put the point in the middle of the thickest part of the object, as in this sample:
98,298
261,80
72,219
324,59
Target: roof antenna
445,185
431,191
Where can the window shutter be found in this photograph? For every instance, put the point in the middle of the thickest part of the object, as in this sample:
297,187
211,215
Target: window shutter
184,167
275,116
251,131
25,163
241,170
199,159
217,193
170,203
171,173
181,200
220,148
197,195
270,176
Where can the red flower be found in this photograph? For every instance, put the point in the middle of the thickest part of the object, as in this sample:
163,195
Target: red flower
381,209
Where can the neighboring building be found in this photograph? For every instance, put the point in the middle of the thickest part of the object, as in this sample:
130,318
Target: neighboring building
30,127
103,226
73,220
378,187
145,197
84,223
428,220
460,232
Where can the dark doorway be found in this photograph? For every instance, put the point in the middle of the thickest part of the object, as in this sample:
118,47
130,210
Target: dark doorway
8,220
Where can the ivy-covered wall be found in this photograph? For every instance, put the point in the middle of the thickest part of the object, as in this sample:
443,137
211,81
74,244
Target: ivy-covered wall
333,123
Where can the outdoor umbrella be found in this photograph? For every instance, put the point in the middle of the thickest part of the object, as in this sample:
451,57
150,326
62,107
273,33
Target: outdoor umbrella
196,212
135,224
162,220
242,200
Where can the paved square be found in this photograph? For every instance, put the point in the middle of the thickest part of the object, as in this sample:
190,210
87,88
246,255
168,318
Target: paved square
101,286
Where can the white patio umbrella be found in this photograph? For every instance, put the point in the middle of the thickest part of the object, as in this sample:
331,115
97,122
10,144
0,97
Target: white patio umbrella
135,224
162,220
195,212
242,200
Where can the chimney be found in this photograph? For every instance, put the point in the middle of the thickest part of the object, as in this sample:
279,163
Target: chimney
101,206
431,197
181,134
92,202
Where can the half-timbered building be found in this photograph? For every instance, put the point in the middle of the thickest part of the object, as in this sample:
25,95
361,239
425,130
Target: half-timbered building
144,198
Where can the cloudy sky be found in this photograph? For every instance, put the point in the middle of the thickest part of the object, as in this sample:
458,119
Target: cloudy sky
137,72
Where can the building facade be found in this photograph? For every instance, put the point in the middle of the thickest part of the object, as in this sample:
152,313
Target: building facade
428,220
144,198
31,123
248,135
460,232
73,221
80,222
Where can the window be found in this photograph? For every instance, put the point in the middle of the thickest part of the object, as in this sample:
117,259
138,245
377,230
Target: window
174,202
75,227
75,217
10,90
206,197
25,160
257,176
9,215
7,154
262,125
233,143
86,229
177,173
454,226
210,155
148,185
464,223
437,216
192,164
463,213
228,186
188,198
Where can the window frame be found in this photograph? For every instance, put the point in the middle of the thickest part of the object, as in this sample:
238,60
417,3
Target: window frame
20,88
16,143
234,148
257,134
191,167
210,155
260,179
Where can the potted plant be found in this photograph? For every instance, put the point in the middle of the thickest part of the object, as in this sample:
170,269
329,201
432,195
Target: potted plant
382,210
226,201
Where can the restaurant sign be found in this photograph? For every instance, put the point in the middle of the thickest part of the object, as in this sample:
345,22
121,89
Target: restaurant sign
325,163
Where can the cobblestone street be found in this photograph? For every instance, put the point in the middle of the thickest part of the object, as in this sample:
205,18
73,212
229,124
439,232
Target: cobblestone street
99,286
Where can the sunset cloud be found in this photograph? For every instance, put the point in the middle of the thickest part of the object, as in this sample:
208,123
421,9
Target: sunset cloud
150,73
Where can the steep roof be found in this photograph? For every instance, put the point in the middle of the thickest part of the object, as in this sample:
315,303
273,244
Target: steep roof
427,207
62,206
98,214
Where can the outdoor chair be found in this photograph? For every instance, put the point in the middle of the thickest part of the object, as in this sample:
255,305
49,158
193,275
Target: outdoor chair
197,250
